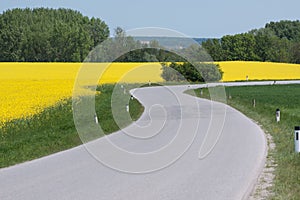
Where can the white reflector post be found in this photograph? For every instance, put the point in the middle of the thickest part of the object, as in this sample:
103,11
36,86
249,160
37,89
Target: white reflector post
277,115
96,118
297,141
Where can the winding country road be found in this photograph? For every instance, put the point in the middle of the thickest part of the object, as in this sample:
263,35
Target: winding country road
201,150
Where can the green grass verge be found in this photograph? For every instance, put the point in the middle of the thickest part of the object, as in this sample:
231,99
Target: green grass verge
268,99
53,130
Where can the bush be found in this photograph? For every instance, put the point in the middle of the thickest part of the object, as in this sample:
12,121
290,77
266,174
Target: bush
198,72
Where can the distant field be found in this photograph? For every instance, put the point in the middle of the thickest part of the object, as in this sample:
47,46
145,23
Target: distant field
238,70
28,88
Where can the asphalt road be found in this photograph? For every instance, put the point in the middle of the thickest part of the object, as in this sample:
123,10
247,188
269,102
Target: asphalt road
182,147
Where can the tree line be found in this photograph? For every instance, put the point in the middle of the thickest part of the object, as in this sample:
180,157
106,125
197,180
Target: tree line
276,42
124,48
187,64
65,35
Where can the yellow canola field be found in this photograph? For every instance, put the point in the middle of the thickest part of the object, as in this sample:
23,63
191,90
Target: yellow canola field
239,70
24,98
28,88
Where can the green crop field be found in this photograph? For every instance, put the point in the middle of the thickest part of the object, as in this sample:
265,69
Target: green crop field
267,99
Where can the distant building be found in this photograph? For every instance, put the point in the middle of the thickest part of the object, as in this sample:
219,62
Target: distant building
145,42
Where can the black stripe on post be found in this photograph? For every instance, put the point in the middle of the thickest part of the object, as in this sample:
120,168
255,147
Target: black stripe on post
297,136
297,128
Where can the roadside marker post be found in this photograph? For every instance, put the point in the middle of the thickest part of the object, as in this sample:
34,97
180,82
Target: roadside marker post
253,103
127,107
277,115
297,139
96,118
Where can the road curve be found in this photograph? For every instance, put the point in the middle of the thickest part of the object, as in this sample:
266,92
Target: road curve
221,162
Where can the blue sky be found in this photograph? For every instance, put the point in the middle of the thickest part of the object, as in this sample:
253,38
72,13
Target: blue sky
194,18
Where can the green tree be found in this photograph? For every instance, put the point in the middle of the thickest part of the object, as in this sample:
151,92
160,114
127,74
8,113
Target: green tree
285,29
214,49
295,53
43,34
